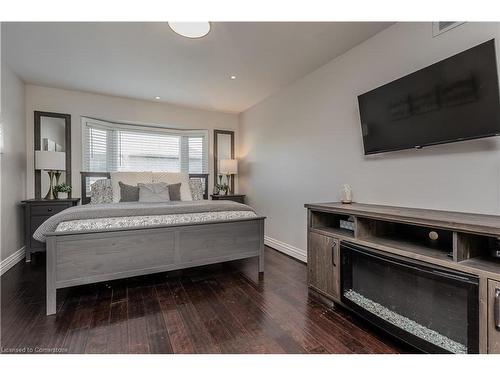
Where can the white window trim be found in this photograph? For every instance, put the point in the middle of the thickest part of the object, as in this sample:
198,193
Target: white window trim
136,126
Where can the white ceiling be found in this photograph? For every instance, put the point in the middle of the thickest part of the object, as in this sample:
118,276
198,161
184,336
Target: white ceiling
144,60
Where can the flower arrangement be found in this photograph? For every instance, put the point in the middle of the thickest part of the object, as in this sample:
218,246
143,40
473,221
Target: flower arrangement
223,188
62,188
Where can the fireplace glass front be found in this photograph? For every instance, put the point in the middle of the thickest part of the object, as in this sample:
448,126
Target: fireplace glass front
431,308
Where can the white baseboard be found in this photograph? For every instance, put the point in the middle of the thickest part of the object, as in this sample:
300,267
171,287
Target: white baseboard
12,260
285,248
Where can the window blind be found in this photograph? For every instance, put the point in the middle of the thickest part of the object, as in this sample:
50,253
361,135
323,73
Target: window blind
110,147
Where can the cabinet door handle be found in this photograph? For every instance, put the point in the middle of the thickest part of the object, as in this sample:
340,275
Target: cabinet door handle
497,309
334,246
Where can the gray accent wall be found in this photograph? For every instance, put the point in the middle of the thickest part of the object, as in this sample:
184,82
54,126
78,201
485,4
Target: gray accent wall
303,142
13,162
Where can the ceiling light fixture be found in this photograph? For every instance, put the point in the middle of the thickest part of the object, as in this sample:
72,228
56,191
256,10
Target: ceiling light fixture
233,77
157,98
191,30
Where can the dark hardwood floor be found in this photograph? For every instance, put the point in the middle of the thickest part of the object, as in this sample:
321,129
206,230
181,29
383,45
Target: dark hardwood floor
213,309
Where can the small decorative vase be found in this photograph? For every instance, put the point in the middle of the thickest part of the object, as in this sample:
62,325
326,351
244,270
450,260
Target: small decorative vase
346,194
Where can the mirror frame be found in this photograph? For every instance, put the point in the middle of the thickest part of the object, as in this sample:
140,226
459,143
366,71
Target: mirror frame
216,156
67,147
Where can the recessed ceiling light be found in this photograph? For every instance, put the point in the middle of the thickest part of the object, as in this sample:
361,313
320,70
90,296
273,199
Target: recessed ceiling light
190,29
157,98
233,77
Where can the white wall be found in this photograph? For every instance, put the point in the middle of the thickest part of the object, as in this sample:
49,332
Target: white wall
13,163
302,143
78,104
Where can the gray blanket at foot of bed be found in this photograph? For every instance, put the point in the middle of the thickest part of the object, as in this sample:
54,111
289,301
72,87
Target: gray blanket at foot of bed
125,209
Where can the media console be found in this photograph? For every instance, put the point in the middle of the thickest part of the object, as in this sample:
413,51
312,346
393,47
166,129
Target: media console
425,276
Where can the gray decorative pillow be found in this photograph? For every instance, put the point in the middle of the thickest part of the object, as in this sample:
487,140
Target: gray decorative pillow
196,186
174,190
128,193
101,192
155,192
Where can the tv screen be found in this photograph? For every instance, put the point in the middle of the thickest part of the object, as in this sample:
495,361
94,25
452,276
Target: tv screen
452,100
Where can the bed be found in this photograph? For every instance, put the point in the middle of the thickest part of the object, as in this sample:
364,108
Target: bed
89,244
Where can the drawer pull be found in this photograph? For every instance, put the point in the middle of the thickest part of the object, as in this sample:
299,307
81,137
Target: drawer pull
50,209
334,246
497,309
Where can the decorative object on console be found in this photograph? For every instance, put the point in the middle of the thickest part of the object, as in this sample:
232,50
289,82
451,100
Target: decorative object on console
433,235
53,162
347,224
229,167
346,194
495,247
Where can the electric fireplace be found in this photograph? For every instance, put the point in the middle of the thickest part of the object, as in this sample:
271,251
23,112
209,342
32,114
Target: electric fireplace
431,308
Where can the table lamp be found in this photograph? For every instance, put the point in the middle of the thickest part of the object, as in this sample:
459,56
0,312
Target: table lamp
229,167
53,162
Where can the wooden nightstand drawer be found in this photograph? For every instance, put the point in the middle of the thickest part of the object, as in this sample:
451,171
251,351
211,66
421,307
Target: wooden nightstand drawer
48,209
36,212
239,198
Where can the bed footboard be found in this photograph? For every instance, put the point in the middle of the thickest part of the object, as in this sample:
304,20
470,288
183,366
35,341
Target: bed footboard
89,257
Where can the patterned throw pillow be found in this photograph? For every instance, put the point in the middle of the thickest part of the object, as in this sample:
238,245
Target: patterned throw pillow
101,192
196,186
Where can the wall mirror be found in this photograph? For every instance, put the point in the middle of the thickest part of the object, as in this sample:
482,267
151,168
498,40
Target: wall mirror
223,149
53,135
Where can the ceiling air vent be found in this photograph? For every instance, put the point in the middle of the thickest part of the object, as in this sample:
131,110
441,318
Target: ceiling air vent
444,26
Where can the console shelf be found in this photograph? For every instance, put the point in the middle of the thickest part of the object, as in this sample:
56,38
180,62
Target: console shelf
411,247
457,241
483,264
340,232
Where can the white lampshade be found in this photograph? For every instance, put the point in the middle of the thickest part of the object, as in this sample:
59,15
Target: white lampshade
50,160
228,166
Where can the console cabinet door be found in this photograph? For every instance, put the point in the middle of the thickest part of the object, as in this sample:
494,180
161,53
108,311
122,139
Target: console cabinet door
493,317
323,264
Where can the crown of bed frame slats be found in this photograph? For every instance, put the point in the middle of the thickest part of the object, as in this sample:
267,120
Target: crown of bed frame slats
86,178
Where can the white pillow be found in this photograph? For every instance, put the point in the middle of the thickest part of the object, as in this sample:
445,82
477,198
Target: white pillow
174,178
129,178
154,192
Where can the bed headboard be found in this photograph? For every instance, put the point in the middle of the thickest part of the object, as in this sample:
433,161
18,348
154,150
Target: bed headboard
85,176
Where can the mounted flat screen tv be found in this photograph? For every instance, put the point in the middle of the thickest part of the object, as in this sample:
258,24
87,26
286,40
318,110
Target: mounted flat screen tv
452,100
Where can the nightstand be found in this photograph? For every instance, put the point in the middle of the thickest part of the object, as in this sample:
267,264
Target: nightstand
36,212
240,198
